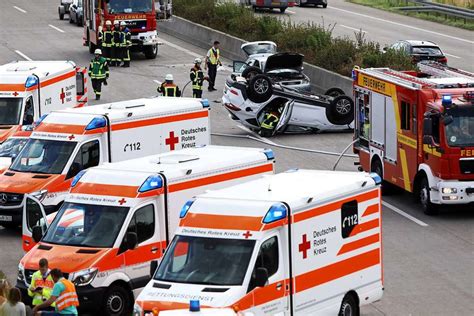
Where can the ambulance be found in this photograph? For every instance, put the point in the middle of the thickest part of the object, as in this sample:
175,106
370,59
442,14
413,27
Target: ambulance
68,141
10,148
29,89
302,242
119,217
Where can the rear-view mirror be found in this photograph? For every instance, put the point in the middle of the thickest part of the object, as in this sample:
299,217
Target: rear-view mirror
37,233
153,267
261,277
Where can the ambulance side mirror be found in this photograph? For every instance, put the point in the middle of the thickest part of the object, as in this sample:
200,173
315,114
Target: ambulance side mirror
153,267
131,241
261,277
37,233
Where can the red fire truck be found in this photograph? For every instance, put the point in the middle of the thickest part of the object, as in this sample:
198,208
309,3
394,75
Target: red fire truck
140,16
416,130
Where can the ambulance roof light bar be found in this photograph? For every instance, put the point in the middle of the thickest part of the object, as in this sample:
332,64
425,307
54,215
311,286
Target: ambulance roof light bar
194,306
185,208
269,153
276,212
151,183
78,177
97,122
31,81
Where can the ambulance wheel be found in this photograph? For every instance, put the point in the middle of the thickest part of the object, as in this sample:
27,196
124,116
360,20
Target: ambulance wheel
116,301
260,89
251,72
349,306
334,92
340,111
425,198
150,51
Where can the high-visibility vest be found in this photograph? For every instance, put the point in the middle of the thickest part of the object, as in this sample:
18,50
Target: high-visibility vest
169,90
214,56
197,78
107,38
68,297
117,37
269,122
47,285
126,38
98,68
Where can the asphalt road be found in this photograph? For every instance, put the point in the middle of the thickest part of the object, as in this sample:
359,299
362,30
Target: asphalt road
427,260
386,28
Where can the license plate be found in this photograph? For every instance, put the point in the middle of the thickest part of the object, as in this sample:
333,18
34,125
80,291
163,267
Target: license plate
4,218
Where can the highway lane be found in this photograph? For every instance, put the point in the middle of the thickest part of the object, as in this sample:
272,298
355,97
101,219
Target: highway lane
428,269
385,27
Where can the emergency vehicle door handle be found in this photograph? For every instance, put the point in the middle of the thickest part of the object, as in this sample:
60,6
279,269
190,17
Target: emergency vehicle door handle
27,242
279,285
154,249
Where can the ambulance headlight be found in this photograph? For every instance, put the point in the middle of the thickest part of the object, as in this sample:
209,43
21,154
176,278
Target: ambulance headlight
84,277
449,190
97,122
40,195
275,213
137,310
78,177
31,81
151,183
185,208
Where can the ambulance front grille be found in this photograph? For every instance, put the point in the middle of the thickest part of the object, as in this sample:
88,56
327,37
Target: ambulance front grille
467,166
10,199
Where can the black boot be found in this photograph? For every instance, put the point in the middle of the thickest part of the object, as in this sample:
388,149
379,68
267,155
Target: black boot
97,96
126,64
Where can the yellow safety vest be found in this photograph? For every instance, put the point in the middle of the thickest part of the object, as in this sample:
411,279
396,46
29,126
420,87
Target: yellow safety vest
47,285
214,58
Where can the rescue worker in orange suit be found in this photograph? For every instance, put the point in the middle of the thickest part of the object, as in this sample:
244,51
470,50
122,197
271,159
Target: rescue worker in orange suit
168,88
126,43
98,72
270,121
197,78
116,59
107,42
64,295
213,59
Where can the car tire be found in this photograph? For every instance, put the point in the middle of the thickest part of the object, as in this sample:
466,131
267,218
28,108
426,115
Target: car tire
425,198
325,6
341,110
150,51
334,92
116,302
61,16
349,306
260,89
251,72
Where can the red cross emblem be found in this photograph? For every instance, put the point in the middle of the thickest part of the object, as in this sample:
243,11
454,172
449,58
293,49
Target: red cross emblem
247,234
15,93
122,201
304,247
71,137
172,140
62,95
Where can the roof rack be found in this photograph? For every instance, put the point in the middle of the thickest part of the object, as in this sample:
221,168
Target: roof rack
398,77
439,70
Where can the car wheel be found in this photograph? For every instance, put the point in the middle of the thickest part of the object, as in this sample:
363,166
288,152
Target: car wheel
116,302
341,110
425,198
61,16
334,92
260,89
325,6
349,306
251,72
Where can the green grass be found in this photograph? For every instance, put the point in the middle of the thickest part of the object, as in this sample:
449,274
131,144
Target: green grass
393,5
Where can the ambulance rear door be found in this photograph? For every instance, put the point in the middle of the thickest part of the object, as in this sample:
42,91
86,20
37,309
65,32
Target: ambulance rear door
33,215
58,92
81,86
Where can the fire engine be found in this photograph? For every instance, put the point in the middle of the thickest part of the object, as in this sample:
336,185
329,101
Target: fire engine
139,15
29,89
119,217
68,141
302,242
415,129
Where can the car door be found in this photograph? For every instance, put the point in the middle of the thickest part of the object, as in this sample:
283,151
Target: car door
285,116
33,215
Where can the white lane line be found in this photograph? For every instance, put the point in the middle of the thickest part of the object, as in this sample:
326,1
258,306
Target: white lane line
255,134
404,25
19,9
402,213
292,12
353,28
23,55
56,28
184,50
454,56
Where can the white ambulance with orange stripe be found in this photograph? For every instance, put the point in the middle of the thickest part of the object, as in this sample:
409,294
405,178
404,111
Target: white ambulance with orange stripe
119,217
65,142
29,89
10,148
302,242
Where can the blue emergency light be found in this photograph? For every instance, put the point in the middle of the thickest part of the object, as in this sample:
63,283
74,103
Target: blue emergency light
185,208
97,122
205,103
31,81
194,306
78,177
376,177
151,183
41,119
447,100
275,213
269,153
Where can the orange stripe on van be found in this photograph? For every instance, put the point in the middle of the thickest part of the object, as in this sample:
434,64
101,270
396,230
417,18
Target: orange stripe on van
105,189
160,120
12,87
371,209
199,220
60,128
336,270
362,227
262,295
359,243
220,178
334,206
57,79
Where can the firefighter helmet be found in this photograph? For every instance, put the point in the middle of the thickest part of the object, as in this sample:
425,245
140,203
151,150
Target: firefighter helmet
98,51
169,77
123,23
108,23
197,60
116,22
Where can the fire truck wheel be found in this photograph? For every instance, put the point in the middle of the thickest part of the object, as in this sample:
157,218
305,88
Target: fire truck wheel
349,306
334,92
341,110
251,72
425,198
150,51
260,89
116,302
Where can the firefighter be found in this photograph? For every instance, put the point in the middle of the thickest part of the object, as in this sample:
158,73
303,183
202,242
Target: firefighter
98,72
197,78
270,121
116,45
107,41
212,61
41,284
126,43
168,88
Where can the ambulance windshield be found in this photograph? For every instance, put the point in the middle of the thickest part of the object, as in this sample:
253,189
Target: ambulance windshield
209,261
43,156
129,6
460,132
10,111
86,225
12,146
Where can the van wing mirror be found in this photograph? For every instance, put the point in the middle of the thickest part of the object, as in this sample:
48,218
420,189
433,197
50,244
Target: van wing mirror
37,233
131,241
447,119
428,140
153,267
427,127
261,277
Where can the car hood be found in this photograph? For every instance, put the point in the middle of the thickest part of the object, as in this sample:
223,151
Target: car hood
257,48
6,131
19,182
284,61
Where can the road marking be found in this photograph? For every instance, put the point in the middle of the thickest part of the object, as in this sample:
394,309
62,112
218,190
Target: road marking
404,25
454,56
184,50
402,213
255,134
292,12
56,28
353,28
23,55
19,9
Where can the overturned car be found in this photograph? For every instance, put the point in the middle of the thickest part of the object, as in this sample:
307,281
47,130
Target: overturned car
250,101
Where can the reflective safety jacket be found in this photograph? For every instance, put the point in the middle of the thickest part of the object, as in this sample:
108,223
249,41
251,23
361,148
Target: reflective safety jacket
197,78
117,37
107,38
169,90
126,38
68,297
214,56
38,281
98,68
269,121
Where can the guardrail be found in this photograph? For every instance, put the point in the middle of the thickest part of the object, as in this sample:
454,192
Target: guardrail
429,6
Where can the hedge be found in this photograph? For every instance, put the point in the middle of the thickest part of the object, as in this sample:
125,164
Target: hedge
315,41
